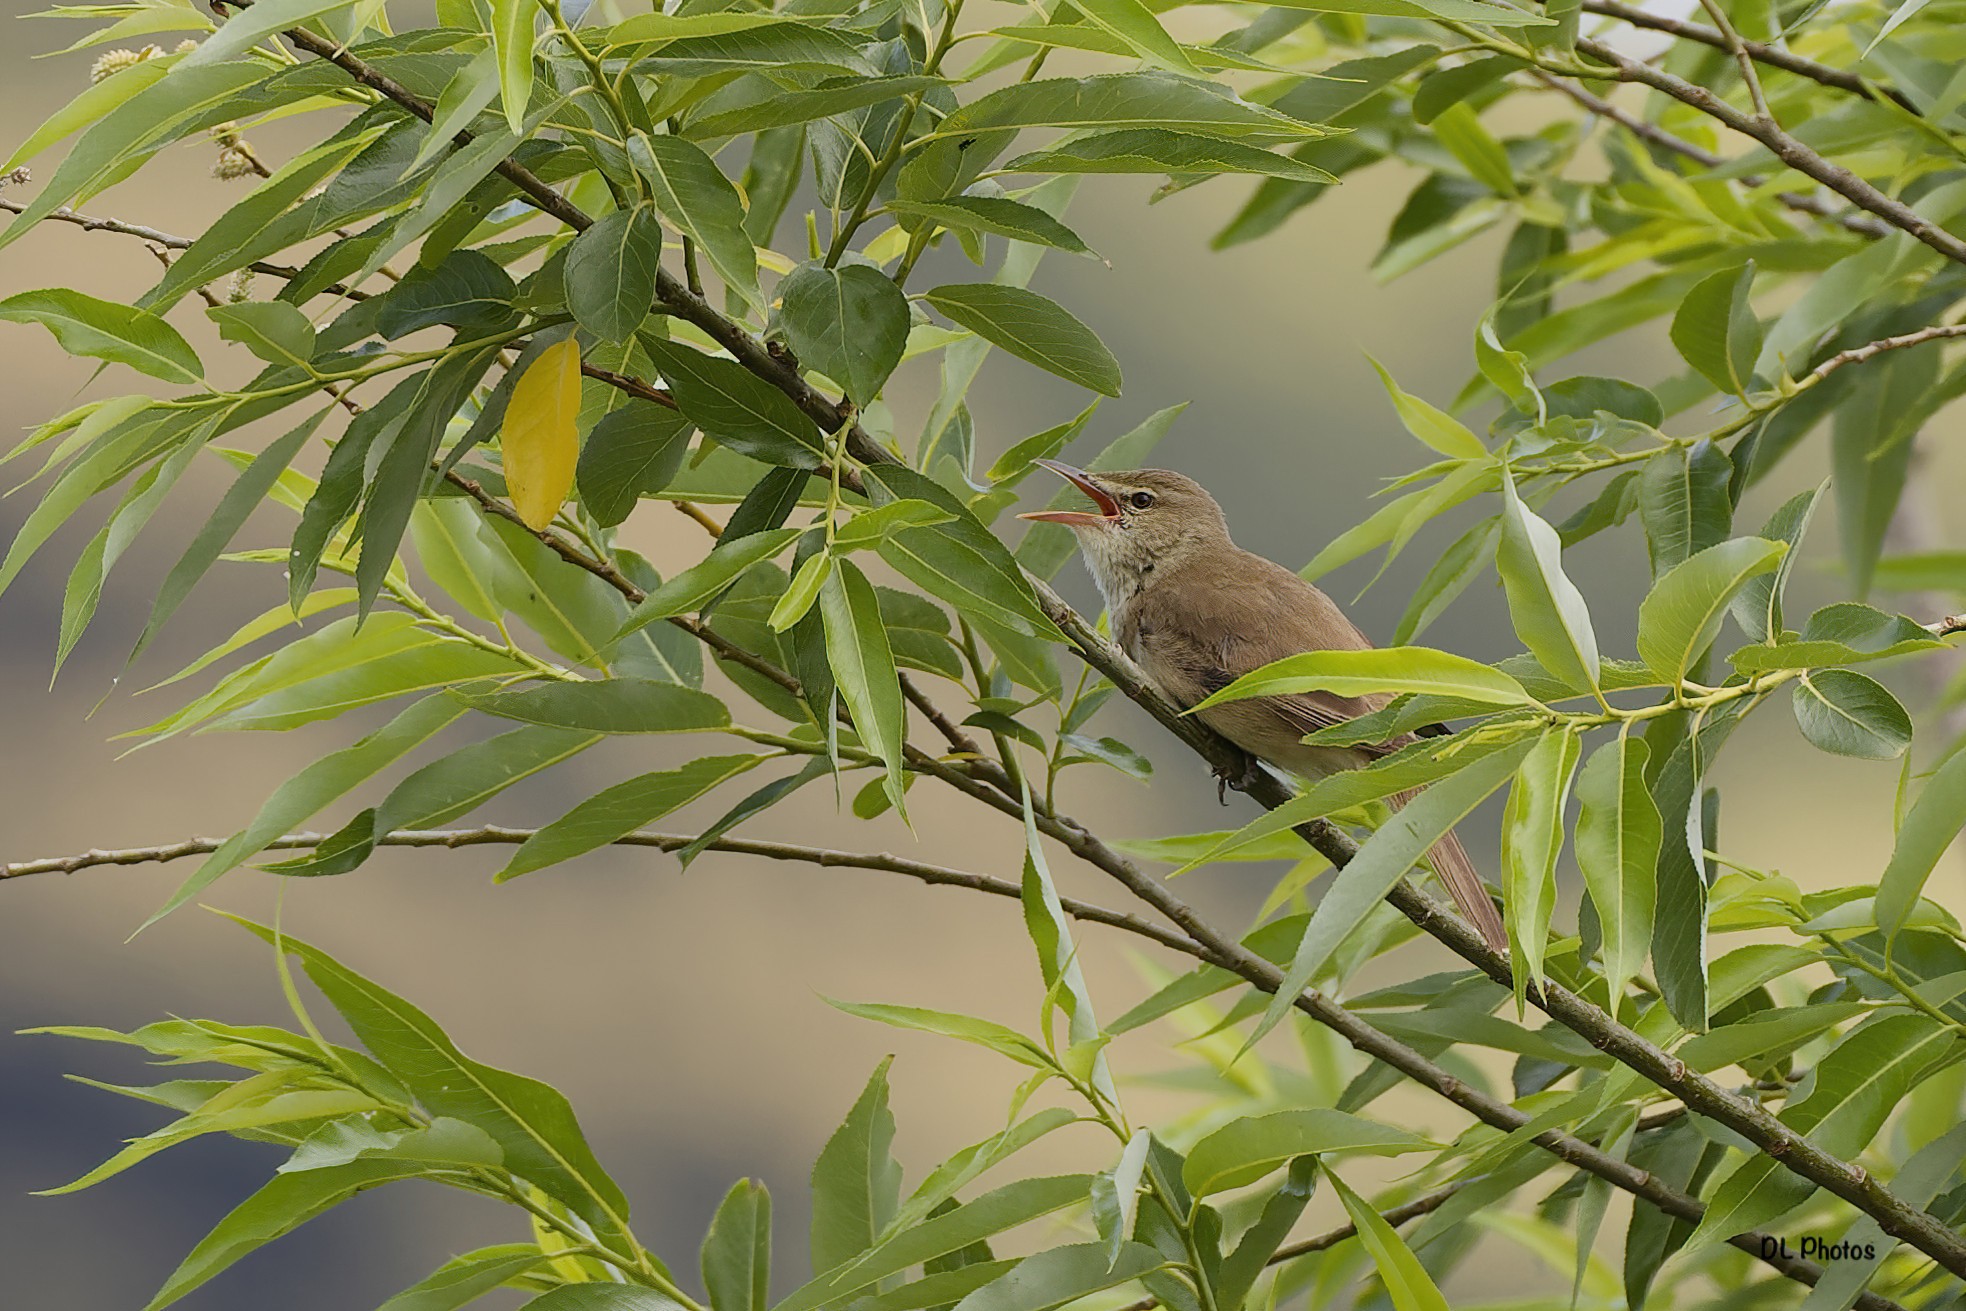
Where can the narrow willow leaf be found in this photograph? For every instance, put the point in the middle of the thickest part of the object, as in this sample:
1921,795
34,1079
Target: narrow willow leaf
851,323
1063,1274
1244,1150
618,811
855,1181
1033,328
1058,962
457,784
946,1231
1916,1183
1116,1194
539,442
1936,817
603,1297
1757,606
736,407
531,1122
736,1257
278,1208
1159,150
1532,838
790,108
271,329
239,501
1135,25
1618,837
1125,100
1382,669
1683,503
1407,1282
695,585
1383,861
698,200
863,665
632,452
998,215
464,1279
1435,427
1681,615
606,705
1716,330
1243,1266
104,330
1845,713
1546,608
512,26
610,274
999,1038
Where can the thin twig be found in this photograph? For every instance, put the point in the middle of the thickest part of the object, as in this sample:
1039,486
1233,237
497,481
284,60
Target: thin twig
1732,43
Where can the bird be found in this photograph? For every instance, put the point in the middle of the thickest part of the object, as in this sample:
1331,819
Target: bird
1196,612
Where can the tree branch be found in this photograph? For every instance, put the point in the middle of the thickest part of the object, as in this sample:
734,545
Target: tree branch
1358,1032
1773,56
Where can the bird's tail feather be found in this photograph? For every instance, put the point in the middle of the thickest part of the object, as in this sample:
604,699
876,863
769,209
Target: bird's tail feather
1457,872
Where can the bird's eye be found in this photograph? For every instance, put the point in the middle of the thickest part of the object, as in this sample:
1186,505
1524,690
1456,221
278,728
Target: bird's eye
1141,500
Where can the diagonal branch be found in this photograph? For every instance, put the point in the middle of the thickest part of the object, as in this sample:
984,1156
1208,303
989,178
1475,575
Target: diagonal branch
1773,56
1358,1032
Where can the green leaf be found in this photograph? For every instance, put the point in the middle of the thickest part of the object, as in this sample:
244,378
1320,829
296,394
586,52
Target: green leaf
1460,130
1407,1282
1133,23
1936,817
1450,86
240,500
1050,931
1683,503
460,782
282,1205
999,1038
956,1173
1546,608
1618,836
606,705
513,23
467,290
999,215
1435,427
1872,437
1532,838
441,1142
1758,605
698,201
1681,615
1161,150
787,108
1064,1274
1244,1150
603,1297
863,666
104,330
736,1258
610,273
1243,1266
736,407
1116,1194
961,562
531,1122
1381,669
870,528
632,452
1716,330
855,1180
1847,714
271,329
944,1232
1033,328
1846,633
1125,100
618,811
850,323
1461,11
695,585
465,1279
1383,861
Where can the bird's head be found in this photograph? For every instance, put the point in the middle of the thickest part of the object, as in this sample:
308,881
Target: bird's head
1140,519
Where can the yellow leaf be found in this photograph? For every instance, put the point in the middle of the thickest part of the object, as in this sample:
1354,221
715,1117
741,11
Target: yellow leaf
539,440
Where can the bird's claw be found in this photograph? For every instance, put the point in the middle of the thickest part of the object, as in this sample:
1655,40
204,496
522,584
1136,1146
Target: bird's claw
1242,777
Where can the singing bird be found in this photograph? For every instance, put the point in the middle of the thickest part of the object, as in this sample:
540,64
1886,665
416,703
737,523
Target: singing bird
1196,612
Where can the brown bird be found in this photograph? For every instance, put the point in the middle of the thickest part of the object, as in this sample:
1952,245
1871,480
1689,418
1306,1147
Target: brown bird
1197,612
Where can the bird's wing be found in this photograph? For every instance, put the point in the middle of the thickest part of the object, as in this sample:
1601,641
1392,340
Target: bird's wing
1245,615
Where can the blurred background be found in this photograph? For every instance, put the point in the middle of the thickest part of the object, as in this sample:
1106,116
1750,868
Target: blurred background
683,1013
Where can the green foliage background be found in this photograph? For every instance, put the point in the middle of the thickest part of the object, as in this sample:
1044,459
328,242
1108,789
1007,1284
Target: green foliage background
1314,439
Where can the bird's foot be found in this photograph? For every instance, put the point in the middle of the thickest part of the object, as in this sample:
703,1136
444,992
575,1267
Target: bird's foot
1242,777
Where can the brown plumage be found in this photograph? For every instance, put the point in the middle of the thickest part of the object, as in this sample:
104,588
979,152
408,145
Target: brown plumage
1196,612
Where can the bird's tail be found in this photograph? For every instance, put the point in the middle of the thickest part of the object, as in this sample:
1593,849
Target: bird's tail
1451,863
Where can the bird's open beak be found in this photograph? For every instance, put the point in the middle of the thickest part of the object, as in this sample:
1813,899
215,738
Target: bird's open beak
1109,508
